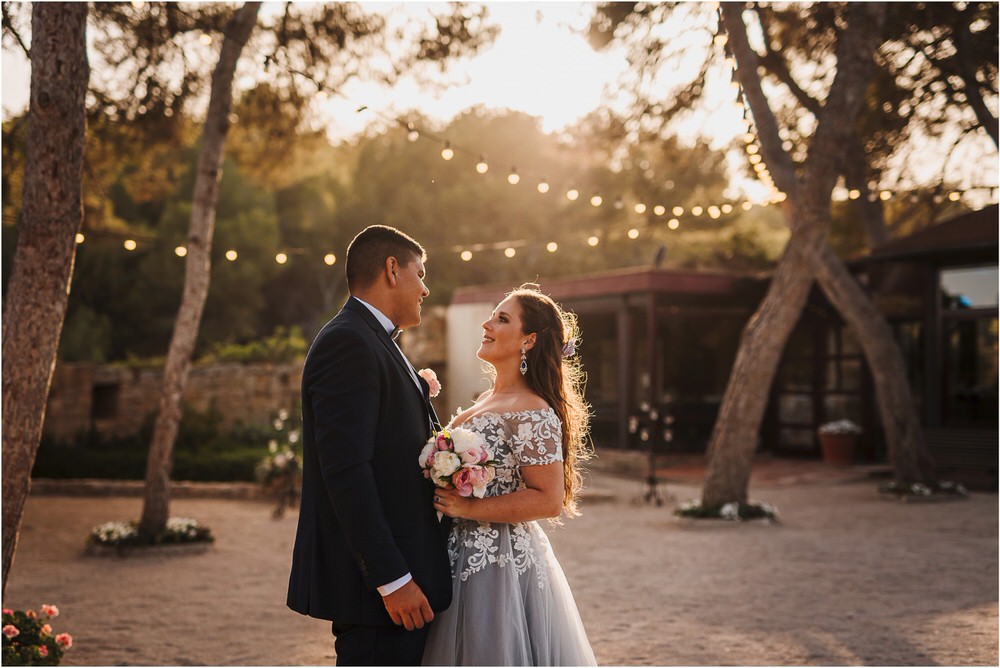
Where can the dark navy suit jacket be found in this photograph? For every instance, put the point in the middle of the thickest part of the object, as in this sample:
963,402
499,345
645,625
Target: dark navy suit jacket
366,517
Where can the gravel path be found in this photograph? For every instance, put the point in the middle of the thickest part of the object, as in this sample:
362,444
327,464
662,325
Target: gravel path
847,578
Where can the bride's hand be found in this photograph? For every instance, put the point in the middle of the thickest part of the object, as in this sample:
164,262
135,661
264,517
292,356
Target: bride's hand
451,503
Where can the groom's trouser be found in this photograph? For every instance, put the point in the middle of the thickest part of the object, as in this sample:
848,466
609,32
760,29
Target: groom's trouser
358,645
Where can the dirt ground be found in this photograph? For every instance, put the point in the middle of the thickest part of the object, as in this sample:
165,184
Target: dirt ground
847,578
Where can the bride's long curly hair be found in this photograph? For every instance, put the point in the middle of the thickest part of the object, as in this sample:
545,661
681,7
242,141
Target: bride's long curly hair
558,379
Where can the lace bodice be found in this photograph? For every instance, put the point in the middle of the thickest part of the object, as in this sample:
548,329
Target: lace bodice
518,438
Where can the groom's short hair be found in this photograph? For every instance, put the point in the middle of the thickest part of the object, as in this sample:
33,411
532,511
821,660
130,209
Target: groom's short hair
368,251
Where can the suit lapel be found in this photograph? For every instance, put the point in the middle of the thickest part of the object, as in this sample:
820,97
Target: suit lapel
397,355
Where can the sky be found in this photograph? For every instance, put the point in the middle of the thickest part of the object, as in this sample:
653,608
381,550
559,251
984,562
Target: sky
540,64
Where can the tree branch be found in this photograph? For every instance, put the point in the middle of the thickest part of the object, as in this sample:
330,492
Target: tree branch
777,160
8,25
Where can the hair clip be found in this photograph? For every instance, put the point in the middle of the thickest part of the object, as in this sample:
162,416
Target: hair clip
570,348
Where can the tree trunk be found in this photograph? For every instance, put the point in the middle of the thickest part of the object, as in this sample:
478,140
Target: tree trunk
908,453
156,504
734,437
51,215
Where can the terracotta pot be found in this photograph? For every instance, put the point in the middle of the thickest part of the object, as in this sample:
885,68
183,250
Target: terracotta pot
838,449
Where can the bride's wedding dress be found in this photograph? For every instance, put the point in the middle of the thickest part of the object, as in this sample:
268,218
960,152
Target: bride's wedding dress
511,604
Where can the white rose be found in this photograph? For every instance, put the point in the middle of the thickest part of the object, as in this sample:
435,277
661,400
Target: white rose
428,450
445,463
465,439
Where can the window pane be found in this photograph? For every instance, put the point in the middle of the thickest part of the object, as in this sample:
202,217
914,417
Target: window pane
969,288
971,372
795,408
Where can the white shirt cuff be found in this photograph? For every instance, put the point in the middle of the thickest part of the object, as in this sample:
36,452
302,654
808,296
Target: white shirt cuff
387,589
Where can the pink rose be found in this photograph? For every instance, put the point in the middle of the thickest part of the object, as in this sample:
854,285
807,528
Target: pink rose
480,477
8,611
473,455
432,381
43,651
11,631
442,441
32,614
50,610
462,482
46,630
65,640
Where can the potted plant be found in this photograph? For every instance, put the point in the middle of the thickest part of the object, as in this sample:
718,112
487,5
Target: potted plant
837,440
28,639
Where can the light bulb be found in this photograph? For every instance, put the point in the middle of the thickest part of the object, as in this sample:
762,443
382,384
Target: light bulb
633,233
129,244
593,241
231,255
659,210
513,178
677,211
640,208
466,255
281,258
481,166
696,211
329,259
596,200
572,194
673,223
510,252
180,251
552,247
447,152
80,238
543,186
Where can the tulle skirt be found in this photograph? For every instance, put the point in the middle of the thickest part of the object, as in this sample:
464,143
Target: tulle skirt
511,604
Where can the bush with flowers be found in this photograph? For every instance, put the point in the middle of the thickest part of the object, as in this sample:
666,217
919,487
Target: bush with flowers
734,511
280,472
839,427
126,534
28,639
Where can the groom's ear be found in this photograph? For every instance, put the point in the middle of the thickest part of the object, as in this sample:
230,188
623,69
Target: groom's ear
391,268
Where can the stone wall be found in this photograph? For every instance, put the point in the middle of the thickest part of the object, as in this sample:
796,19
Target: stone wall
116,399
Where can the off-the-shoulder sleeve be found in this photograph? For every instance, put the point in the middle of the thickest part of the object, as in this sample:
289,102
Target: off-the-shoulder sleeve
536,437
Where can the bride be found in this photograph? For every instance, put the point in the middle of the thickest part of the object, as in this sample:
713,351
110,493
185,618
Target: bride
511,603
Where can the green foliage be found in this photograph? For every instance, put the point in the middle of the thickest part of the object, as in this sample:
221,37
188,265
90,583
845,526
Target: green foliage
203,452
285,345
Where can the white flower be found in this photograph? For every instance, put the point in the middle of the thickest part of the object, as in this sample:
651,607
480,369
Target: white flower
425,454
839,427
293,436
272,446
278,424
282,415
730,511
464,439
445,464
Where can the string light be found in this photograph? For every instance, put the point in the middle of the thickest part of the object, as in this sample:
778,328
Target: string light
659,210
633,233
80,238
543,186
677,211
466,255
673,223
572,194
596,200
447,152
696,211
231,255
552,247
593,241
513,178
329,259
180,251
714,212
510,252
129,244
481,166
281,258
206,39
640,208
954,196
619,203
885,195
411,133
854,193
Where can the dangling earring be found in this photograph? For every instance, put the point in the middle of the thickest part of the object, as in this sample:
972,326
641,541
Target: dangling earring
524,360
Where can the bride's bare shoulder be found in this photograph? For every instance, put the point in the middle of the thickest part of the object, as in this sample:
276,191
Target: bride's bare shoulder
528,402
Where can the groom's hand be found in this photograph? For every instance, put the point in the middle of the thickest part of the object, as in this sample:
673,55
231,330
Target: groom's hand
409,607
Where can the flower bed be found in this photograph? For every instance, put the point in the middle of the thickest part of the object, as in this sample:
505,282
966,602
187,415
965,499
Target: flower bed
180,530
918,491
733,511
28,639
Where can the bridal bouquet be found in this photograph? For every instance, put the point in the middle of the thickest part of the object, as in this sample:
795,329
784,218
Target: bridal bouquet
459,458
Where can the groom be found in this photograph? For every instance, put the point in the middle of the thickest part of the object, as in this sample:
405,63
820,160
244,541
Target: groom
369,554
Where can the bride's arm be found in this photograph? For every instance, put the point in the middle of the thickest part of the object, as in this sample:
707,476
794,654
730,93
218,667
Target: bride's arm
541,498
